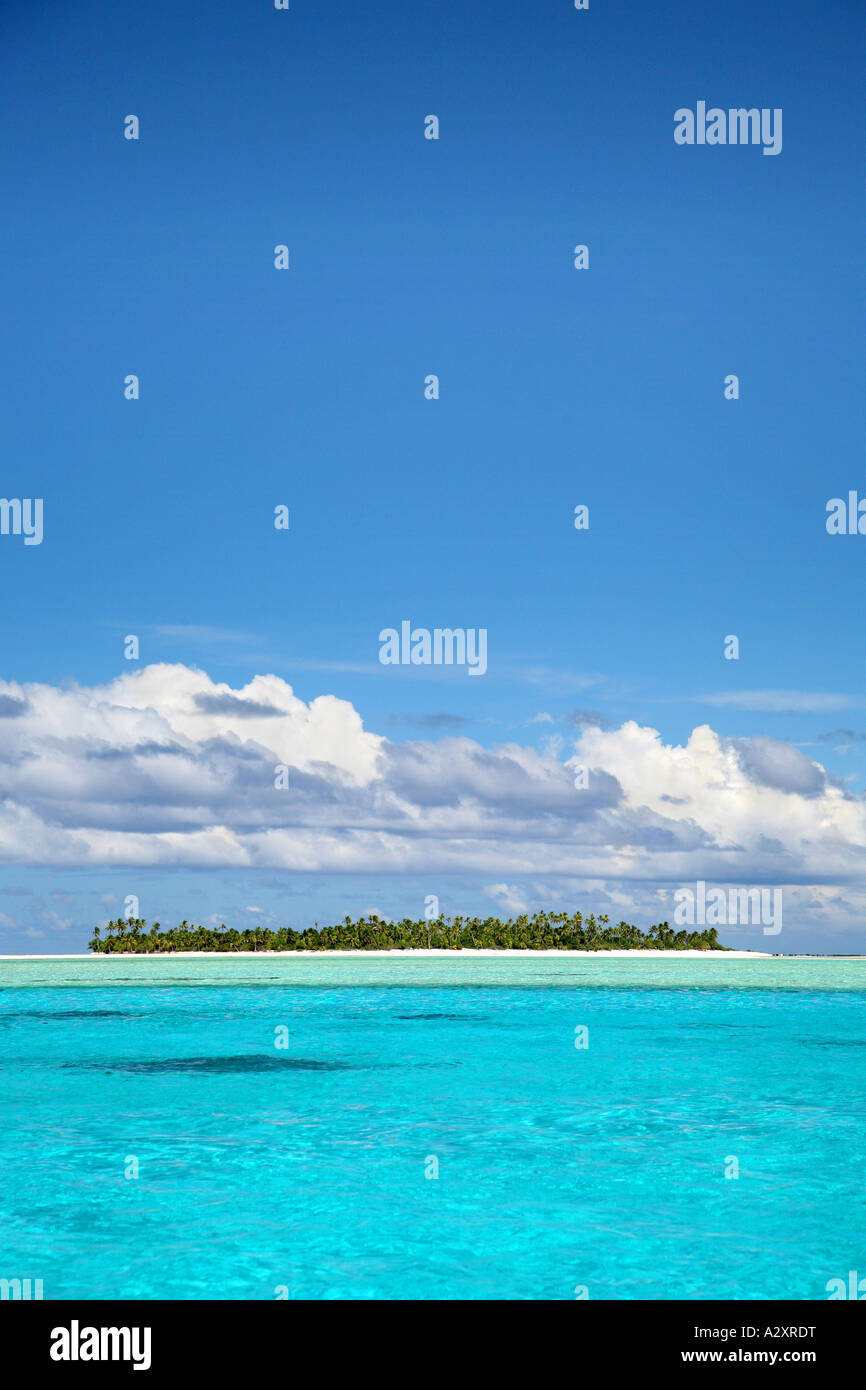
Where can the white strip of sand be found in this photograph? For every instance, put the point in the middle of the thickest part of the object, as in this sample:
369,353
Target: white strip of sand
420,953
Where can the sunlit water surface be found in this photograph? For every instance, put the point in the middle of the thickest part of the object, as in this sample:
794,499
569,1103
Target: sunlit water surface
262,1168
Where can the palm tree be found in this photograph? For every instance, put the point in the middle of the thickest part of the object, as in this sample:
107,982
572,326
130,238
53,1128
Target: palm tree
542,931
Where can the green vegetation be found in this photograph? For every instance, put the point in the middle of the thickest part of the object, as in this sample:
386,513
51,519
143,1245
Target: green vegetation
544,931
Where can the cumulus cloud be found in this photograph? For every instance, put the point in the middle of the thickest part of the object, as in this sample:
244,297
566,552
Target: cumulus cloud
588,718
163,766
11,707
775,764
227,703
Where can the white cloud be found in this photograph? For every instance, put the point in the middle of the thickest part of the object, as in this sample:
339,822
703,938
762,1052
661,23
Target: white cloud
166,767
509,898
782,701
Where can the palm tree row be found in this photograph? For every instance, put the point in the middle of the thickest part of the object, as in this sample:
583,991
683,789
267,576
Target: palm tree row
542,931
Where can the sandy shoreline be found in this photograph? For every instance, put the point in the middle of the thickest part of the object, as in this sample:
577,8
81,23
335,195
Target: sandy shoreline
423,954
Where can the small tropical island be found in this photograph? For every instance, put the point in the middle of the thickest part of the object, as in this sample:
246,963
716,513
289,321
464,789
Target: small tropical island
544,931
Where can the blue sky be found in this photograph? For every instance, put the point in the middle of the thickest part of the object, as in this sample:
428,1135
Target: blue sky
558,387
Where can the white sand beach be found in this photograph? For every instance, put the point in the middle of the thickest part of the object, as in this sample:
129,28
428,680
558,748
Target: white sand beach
421,953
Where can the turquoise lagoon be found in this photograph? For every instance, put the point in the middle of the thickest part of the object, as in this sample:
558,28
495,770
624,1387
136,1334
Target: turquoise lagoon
263,1169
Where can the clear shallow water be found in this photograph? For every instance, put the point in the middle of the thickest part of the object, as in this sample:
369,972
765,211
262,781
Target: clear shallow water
457,967
557,1167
